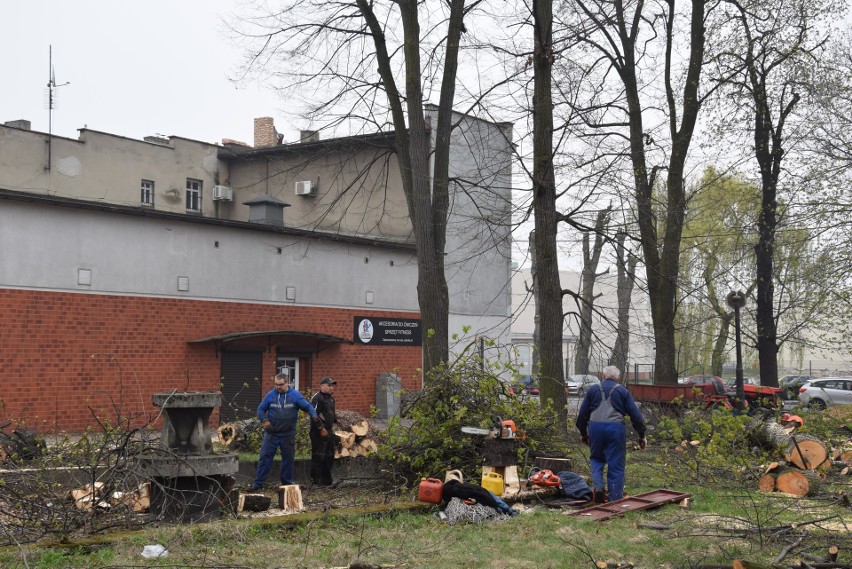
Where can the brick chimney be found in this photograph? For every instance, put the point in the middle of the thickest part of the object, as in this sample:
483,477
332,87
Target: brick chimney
265,133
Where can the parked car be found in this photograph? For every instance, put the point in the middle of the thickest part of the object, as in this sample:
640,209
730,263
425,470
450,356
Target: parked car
710,384
791,384
527,385
732,383
579,384
822,393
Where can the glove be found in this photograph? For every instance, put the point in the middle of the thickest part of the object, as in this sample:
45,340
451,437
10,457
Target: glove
585,440
643,442
316,420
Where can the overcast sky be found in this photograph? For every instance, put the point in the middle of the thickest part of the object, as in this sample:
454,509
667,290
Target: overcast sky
135,69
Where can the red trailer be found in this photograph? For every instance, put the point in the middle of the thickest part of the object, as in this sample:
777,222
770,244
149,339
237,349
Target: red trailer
755,395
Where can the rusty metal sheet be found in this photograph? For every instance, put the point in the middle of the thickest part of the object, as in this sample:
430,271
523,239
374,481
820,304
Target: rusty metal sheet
644,501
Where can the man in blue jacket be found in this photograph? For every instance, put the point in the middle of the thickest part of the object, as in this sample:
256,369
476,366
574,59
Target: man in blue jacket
601,425
278,412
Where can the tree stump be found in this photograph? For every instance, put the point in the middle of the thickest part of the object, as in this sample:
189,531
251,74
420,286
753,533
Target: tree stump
290,498
253,503
500,452
553,464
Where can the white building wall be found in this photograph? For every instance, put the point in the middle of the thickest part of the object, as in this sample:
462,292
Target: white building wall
45,247
478,260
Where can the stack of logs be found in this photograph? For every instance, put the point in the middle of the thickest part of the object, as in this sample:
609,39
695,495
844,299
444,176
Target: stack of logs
806,461
355,435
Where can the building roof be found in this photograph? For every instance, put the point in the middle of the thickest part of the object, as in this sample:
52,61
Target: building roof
59,201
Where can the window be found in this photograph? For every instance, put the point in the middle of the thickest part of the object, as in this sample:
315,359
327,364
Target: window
193,195
147,193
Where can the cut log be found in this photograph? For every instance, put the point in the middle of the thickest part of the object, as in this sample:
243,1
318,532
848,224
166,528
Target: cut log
253,503
846,456
369,445
360,429
771,466
290,498
241,435
500,452
347,438
766,483
797,482
806,452
348,418
342,453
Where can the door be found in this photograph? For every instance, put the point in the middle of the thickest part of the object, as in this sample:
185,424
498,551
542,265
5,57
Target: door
291,365
242,386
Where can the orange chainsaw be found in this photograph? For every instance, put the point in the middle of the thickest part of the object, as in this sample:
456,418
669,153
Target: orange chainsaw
543,478
501,430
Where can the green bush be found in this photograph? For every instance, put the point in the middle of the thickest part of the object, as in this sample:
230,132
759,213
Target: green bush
428,440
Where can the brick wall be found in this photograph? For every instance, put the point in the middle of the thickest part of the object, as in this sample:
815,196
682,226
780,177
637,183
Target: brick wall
67,356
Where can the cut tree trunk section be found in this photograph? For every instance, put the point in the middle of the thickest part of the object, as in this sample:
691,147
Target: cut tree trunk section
797,482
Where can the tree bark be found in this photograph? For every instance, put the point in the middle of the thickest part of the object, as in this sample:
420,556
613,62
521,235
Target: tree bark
626,280
552,381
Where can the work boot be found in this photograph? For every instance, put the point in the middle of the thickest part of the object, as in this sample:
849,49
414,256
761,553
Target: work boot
600,496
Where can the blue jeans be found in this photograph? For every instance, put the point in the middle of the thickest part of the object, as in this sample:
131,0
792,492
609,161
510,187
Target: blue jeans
608,448
271,443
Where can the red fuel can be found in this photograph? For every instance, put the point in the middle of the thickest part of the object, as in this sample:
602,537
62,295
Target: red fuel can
430,490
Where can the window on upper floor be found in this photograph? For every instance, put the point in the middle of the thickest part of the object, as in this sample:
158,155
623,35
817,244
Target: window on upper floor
147,193
193,195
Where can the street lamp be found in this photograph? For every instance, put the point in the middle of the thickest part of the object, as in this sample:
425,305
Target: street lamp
736,300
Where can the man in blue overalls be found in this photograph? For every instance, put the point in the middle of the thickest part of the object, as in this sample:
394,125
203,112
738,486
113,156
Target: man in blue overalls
278,412
601,425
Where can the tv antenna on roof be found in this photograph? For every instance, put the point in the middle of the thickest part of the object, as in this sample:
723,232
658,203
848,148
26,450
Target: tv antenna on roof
51,103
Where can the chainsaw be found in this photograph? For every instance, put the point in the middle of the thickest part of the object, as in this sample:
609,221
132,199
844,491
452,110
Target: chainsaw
501,430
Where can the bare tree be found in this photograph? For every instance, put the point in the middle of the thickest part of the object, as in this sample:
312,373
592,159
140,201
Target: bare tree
546,216
630,54
377,63
626,278
587,296
773,46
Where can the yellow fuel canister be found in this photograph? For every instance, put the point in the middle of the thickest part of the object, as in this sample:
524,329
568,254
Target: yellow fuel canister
493,482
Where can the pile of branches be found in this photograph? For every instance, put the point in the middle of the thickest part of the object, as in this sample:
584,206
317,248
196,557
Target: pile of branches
429,440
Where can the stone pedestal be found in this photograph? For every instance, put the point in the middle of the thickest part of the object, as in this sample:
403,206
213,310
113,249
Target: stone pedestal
188,482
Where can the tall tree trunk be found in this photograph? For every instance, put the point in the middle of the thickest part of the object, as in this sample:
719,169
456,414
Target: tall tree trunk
586,300
534,365
662,255
624,292
769,153
426,190
552,383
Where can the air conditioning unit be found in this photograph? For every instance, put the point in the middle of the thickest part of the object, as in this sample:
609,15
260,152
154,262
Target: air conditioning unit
305,188
223,193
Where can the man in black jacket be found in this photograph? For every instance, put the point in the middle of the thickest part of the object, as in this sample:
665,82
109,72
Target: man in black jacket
323,439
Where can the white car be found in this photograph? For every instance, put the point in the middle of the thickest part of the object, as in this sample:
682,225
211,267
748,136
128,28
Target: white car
579,384
827,391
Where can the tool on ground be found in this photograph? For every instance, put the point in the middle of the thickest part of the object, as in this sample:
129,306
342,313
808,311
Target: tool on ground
501,430
544,478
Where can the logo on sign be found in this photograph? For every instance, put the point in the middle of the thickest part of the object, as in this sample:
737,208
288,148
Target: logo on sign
365,331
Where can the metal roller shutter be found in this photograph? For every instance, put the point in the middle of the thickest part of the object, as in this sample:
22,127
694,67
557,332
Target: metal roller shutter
242,390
